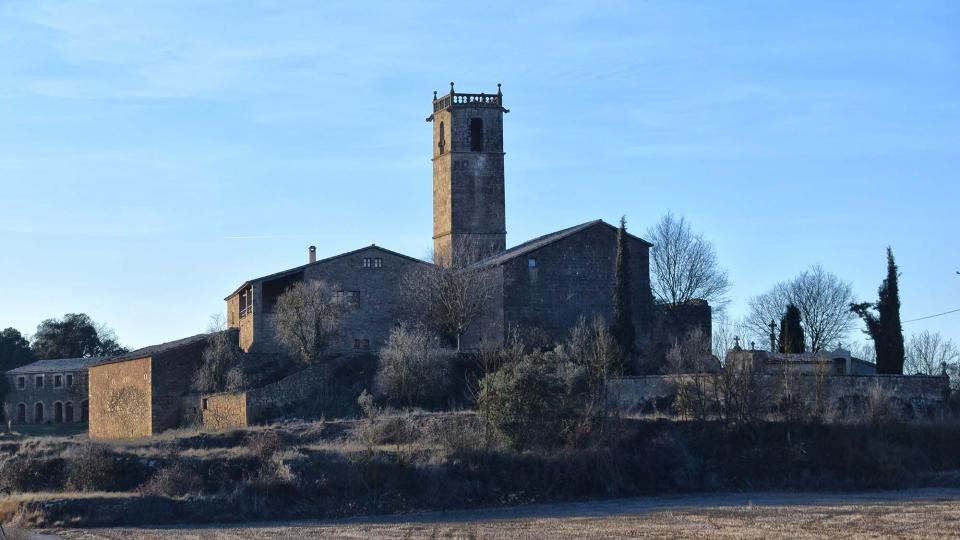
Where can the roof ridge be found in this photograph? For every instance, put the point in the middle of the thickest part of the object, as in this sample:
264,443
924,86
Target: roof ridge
325,259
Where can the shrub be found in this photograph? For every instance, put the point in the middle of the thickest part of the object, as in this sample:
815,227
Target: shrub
174,480
414,369
274,478
92,468
527,403
25,474
263,444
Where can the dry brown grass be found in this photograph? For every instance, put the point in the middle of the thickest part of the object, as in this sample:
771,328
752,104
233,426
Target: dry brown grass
909,514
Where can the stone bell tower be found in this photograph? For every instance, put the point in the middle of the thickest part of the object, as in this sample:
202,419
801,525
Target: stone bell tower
468,188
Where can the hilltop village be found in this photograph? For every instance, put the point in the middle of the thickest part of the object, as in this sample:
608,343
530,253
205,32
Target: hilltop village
540,288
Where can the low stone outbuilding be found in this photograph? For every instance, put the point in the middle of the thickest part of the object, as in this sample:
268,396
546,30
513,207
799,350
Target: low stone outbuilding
147,391
48,391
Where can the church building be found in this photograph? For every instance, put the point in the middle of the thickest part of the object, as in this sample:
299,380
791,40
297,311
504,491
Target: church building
544,284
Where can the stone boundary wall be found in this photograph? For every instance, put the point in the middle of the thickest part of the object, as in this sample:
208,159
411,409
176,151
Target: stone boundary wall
224,411
913,396
228,410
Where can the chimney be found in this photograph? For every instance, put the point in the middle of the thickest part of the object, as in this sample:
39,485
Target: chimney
313,254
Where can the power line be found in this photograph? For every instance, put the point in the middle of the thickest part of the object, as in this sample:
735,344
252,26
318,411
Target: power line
932,316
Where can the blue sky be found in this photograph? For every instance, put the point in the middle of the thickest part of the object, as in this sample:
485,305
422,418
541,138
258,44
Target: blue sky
154,155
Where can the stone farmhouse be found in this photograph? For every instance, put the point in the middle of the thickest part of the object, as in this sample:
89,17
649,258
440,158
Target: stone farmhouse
146,391
546,284
48,391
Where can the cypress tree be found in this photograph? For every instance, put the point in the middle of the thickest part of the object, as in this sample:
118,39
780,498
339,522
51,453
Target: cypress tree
791,332
885,327
622,327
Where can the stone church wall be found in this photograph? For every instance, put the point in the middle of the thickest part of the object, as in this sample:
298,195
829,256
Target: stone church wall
573,277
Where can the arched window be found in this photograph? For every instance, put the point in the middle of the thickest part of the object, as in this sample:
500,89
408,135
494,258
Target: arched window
442,138
68,415
38,413
84,411
476,134
22,413
58,412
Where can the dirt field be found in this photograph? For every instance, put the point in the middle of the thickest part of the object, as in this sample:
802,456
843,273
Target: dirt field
927,513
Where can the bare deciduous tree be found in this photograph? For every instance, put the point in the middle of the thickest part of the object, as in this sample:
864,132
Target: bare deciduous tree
222,367
929,353
413,369
690,360
449,298
307,316
592,347
824,302
684,265
864,350
725,332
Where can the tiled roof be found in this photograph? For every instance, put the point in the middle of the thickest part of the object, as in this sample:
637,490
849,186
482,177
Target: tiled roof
545,240
59,364
154,350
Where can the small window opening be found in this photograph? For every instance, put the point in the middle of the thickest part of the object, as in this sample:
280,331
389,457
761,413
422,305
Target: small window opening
57,381
378,263
39,381
361,344
351,298
476,134
367,262
38,413
531,263
22,413
204,404
69,380
442,139
21,382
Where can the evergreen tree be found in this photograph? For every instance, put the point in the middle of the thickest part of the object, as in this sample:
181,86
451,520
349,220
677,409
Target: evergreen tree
791,331
622,327
885,327
14,352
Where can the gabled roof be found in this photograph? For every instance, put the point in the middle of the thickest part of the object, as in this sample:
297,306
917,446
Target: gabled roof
59,364
154,350
328,259
545,240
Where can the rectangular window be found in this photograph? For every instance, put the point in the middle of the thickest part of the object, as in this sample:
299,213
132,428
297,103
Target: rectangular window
378,263
21,382
367,262
69,380
361,344
39,381
204,404
57,381
246,302
531,263
351,298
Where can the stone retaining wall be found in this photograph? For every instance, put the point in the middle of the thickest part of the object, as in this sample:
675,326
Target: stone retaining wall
911,396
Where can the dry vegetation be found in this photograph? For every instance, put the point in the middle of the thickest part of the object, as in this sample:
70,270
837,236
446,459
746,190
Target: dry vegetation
922,514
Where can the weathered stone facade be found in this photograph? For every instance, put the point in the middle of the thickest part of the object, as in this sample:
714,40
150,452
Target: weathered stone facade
551,282
146,391
225,411
468,178
239,409
546,284
371,276
48,392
